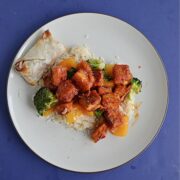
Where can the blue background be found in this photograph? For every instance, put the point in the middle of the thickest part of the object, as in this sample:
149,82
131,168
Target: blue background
157,19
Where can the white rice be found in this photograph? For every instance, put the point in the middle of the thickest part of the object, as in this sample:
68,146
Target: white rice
84,122
78,52
131,109
81,123
81,52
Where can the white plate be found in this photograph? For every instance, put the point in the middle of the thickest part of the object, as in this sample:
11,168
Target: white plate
114,40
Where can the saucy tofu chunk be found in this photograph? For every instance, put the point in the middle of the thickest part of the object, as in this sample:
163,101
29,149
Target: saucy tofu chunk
113,118
90,101
121,74
100,132
64,108
112,114
110,101
84,78
47,81
84,66
104,90
99,78
122,91
66,91
59,74
81,80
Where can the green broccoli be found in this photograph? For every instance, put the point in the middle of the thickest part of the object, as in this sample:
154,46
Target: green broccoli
136,85
107,77
71,72
96,63
44,99
135,89
98,113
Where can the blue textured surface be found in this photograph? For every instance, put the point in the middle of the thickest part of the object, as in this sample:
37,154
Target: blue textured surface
157,19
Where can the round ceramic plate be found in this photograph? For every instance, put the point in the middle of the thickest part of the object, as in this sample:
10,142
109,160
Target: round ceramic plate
115,41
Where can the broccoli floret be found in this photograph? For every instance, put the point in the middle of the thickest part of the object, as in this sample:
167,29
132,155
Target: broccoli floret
44,99
96,63
107,77
98,113
136,85
135,89
71,72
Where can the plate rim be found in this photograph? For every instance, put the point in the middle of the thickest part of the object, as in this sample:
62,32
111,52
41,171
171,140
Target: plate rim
160,60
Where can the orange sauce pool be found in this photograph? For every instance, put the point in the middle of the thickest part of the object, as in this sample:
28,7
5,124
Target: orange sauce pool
75,112
122,130
109,69
68,63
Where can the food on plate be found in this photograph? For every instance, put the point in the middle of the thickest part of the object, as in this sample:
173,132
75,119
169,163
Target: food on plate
99,132
42,55
83,78
104,90
136,85
44,100
121,74
90,100
66,91
96,63
99,78
59,74
80,89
